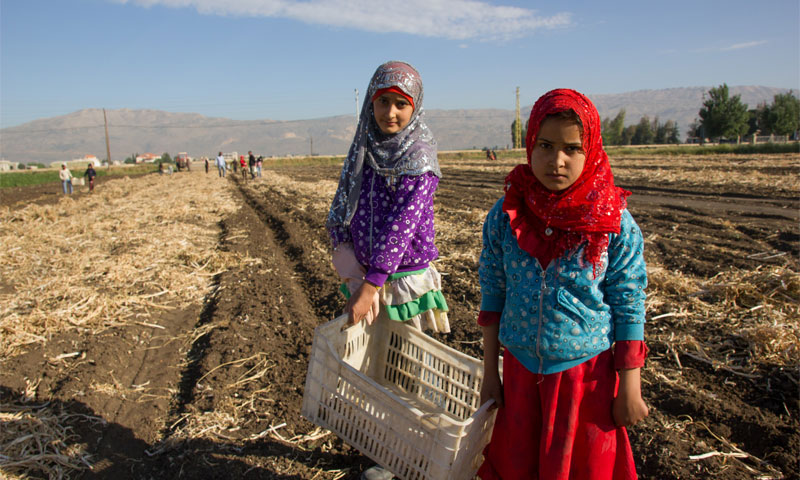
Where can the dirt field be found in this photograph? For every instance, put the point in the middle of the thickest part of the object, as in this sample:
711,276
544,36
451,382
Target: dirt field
209,384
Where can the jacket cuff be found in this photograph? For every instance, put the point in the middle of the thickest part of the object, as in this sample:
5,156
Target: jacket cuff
376,277
492,304
628,331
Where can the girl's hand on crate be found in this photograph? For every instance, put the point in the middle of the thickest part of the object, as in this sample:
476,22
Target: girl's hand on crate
492,389
363,305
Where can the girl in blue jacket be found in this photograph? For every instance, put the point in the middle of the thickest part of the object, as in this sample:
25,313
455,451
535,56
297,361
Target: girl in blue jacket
562,277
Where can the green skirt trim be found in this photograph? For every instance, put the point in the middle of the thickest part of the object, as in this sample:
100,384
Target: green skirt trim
429,301
397,275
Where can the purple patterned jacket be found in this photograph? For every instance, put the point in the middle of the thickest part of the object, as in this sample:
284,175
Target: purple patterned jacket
392,230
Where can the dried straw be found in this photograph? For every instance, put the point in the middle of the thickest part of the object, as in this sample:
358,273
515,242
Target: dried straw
35,442
108,258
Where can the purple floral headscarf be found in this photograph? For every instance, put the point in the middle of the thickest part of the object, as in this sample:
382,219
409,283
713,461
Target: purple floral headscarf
411,151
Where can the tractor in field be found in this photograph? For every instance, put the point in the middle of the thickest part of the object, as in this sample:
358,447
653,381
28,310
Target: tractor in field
182,160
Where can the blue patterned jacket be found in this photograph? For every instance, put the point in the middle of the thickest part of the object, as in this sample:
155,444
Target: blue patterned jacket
555,318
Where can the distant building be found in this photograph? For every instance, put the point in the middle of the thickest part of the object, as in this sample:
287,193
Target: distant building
148,158
76,163
5,165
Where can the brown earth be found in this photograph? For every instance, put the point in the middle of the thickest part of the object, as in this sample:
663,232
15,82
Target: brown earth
259,322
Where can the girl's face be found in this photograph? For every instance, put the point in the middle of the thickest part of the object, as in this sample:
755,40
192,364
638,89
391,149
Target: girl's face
557,158
392,112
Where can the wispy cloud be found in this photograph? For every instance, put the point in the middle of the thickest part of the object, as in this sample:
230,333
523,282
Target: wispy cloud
740,46
730,48
452,19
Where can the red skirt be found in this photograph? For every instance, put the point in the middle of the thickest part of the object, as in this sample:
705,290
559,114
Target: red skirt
558,426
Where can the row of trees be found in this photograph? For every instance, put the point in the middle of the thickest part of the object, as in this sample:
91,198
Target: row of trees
615,132
645,132
722,116
725,116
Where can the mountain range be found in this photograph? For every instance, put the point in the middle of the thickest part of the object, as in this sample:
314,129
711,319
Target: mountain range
139,131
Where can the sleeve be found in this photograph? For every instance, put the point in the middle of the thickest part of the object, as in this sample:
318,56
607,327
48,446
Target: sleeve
491,269
626,280
629,354
486,318
414,194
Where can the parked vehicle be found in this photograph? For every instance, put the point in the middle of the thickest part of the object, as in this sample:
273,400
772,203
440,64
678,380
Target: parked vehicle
182,160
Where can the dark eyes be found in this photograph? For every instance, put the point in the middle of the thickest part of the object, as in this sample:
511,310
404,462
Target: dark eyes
568,148
386,102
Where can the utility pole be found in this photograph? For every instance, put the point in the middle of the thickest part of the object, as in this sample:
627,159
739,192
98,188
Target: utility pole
311,139
108,148
356,108
518,127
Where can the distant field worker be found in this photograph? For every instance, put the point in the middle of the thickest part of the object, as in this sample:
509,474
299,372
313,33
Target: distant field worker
66,179
90,174
243,165
562,278
221,166
381,218
251,162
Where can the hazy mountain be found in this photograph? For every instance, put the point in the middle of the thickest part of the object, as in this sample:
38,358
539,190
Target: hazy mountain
139,131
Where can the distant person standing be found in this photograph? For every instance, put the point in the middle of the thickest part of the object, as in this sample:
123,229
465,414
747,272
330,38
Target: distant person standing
90,174
251,162
259,162
243,165
221,165
206,162
66,179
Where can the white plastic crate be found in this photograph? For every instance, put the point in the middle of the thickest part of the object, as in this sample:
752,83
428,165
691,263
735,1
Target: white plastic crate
403,399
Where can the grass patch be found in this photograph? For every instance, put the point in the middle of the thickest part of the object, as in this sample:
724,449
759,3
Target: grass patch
741,149
37,177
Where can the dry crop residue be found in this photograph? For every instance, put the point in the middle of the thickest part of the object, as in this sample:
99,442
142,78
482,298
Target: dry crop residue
721,244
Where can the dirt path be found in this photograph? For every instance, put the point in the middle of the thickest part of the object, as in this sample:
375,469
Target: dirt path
226,376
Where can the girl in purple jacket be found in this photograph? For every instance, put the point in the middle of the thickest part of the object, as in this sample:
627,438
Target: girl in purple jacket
381,218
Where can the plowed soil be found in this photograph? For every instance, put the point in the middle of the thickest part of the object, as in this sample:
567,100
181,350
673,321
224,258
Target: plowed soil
712,394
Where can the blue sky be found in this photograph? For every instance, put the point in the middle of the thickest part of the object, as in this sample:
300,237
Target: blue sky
288,60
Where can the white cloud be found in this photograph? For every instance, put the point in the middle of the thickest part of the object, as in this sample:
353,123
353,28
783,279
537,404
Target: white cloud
739,46
452,19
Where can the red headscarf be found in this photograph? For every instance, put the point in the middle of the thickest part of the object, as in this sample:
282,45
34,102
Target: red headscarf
396,90
546,223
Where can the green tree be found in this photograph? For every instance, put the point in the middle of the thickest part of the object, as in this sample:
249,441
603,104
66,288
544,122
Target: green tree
672,133
722,115
659,132
643,132
612,129
166,158
627,135
783,116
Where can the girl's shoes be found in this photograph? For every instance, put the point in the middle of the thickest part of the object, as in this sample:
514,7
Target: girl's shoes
376,473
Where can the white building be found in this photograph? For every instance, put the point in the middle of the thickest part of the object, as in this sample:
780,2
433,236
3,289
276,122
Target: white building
5,165
148,158
77,163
